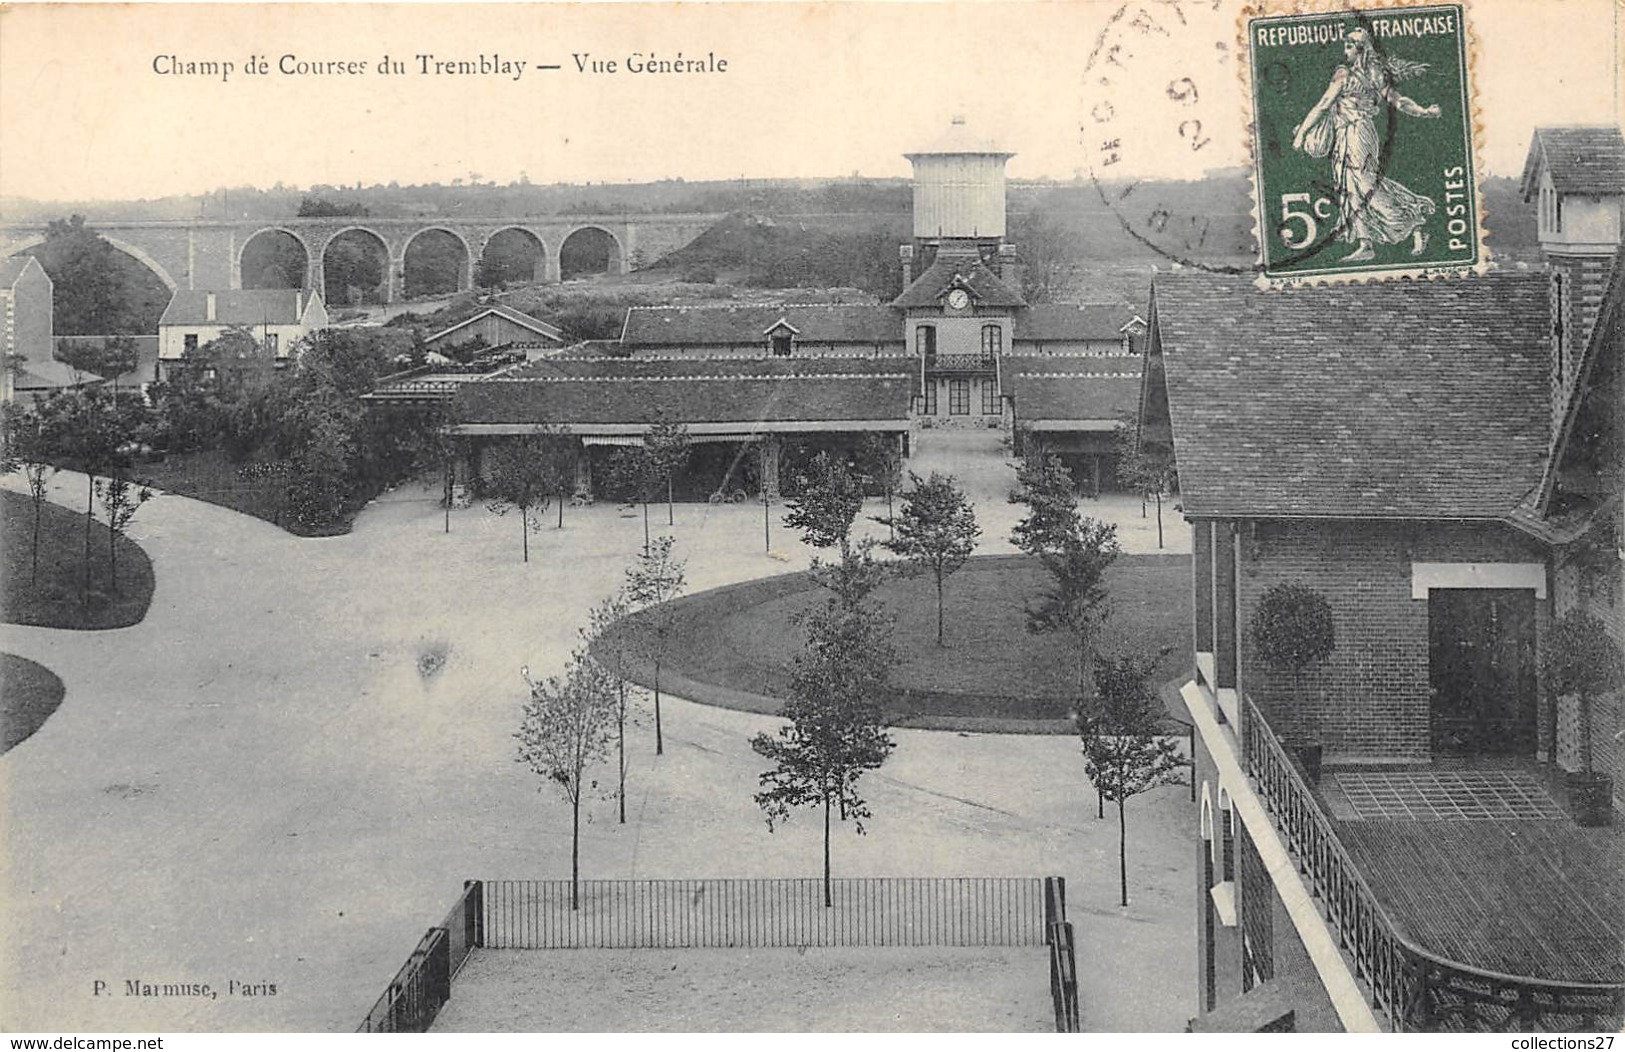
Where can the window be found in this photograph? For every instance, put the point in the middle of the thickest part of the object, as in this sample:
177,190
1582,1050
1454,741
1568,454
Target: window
190,341
929,402
271,343
959,397
992,340
990,398
925,341
782,345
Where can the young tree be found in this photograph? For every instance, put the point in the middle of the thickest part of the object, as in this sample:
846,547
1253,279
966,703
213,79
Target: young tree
1147,468
829,501
121,499
611,642
1125,752
1075,551
652,581
824,511
83,426
668,445
937,531
881,459
559,462
565,730
837,729
518,476
25,450
632,475
1045,486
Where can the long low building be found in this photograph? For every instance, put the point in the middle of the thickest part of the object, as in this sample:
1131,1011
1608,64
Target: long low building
960,347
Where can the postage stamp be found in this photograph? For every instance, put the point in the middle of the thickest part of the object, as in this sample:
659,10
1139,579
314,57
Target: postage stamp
1363,152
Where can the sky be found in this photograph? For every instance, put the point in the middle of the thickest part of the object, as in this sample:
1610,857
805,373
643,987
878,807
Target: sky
89,107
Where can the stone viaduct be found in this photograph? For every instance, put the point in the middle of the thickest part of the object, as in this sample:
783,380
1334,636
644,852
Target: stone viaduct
208,253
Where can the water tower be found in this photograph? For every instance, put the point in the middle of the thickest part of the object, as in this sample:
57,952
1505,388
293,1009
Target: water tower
958,195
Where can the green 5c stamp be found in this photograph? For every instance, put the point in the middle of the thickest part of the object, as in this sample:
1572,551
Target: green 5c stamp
1363,142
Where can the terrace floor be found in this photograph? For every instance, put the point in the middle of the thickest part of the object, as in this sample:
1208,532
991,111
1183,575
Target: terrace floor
1480,864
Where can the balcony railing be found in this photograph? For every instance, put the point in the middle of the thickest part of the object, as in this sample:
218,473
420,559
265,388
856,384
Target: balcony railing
959,363
1416,989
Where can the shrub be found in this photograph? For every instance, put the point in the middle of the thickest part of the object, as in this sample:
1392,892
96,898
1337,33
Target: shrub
1292,628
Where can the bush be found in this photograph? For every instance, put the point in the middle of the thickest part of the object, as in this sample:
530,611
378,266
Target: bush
1292,627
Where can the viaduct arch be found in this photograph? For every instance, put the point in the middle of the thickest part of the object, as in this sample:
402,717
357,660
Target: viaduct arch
207,253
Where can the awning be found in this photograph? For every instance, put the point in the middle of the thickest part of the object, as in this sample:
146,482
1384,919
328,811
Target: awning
612,440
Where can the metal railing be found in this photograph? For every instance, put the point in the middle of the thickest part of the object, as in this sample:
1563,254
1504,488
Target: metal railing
959,363
1415,988
1063,965
877,911
423,985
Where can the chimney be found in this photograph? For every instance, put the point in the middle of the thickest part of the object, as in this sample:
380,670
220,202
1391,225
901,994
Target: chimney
1009,266
208,306
905,253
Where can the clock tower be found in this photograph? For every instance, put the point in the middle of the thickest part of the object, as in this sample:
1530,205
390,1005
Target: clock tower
961,281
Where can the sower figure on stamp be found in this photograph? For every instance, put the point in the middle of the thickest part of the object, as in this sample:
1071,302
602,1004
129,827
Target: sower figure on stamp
1372,208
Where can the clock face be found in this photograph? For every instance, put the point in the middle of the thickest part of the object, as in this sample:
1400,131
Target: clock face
958,299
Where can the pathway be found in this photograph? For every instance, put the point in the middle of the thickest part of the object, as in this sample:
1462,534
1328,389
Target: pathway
256,785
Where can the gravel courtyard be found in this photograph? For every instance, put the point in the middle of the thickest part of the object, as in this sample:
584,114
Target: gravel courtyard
257,785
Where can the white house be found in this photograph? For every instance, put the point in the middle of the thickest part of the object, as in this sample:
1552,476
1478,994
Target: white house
279,317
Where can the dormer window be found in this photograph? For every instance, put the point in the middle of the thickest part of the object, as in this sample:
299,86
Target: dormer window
781,338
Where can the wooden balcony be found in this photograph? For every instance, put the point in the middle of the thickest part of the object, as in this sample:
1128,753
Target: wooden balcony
1458,924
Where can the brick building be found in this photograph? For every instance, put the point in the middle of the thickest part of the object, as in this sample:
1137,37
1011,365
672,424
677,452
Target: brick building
1441,463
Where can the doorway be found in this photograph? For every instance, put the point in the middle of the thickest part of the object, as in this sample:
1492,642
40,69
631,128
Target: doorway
1481,671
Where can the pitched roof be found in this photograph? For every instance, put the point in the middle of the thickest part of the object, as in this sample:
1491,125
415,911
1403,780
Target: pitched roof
572,367
1422,400
745,323
1074,321
634,403
959,139
1590,429
963,270
11,268
502,310
1076,396
238,307
1582,160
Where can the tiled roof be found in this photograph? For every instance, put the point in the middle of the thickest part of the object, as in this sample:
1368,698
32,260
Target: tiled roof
653,367
1394,399
724,324
1078,395
965,270
237,307
1582,160
1073,321
636,403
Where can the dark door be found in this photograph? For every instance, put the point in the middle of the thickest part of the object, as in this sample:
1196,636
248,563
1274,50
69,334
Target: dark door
1481,664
